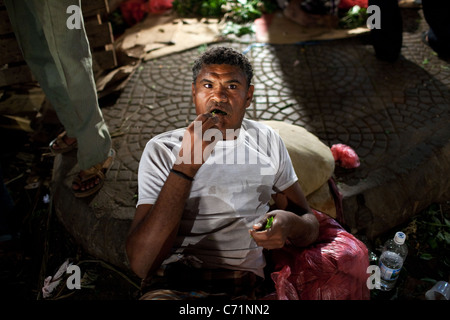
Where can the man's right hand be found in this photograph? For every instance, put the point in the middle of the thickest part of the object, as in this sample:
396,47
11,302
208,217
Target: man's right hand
198,142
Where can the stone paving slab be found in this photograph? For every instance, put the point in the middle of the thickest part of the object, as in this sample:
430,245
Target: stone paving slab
395,115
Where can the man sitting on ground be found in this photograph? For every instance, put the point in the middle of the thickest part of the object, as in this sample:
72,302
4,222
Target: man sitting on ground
204,193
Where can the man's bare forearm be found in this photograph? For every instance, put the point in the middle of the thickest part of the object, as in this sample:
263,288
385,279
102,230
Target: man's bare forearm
154,227
304,231
153,233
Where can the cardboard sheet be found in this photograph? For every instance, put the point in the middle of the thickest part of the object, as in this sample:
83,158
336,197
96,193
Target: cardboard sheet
159,35
277,29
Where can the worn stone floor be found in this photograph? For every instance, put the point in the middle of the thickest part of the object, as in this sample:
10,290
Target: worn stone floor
394,115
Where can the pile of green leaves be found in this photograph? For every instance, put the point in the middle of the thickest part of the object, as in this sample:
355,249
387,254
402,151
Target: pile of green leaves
355,17
242,11
203,8
237,10
429,237
239,14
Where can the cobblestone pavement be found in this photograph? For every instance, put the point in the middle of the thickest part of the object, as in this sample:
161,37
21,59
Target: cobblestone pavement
337,90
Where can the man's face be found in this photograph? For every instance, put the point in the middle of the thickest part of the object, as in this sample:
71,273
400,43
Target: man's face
222,89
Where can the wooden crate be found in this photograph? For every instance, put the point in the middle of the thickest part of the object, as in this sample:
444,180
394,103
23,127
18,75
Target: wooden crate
13,69
100,35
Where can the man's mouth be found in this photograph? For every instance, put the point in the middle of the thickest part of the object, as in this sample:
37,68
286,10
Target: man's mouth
216,111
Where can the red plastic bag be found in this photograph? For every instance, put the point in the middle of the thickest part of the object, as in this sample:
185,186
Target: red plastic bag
334,268
133,11
344,156
347,4
160,6
285,289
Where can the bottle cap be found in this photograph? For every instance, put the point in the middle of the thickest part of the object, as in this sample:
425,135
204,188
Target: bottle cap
400,238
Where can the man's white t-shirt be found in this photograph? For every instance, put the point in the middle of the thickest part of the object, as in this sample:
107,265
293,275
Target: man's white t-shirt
231,191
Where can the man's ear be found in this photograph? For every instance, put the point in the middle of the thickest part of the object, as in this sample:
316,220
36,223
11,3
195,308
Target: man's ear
250,91
193,89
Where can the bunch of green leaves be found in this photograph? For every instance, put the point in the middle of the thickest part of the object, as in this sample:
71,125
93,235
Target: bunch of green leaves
355,17
269,222
437,228
239,11
242,11
203,8
238,29
238,14
430,232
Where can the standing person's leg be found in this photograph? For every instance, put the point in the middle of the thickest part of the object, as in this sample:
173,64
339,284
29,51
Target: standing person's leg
436,14
60,59
387,41
33,43
72,56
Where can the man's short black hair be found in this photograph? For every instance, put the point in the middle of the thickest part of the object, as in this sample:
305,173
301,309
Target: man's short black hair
223,55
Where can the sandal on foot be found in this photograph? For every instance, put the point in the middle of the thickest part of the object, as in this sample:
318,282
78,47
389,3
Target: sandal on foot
98,171
63,147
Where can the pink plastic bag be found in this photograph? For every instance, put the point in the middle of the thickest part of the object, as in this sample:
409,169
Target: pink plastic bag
133,11
347,4
160,6
345,156
334,268
285,289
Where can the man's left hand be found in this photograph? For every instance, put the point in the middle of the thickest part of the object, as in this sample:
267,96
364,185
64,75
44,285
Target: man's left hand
276,235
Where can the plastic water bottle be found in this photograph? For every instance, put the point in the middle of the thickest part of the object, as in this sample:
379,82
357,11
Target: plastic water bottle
391,260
